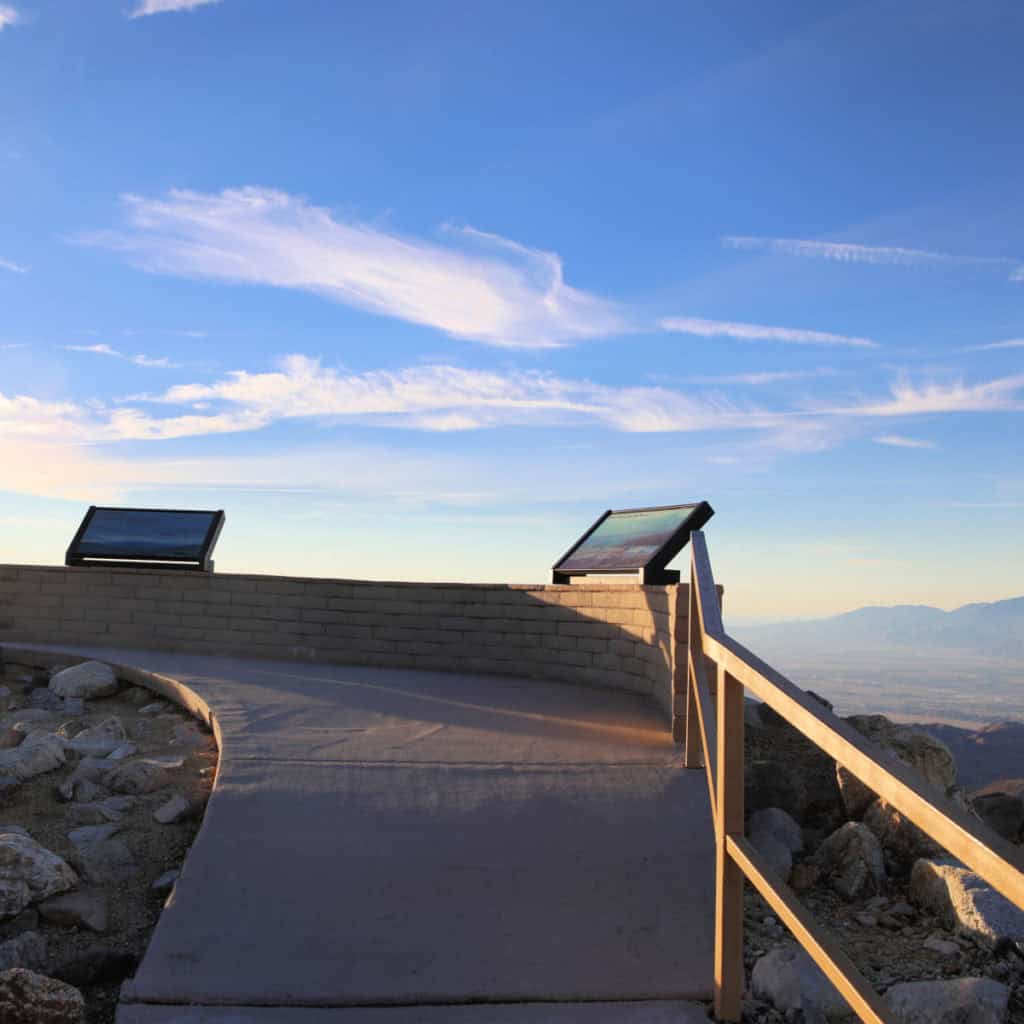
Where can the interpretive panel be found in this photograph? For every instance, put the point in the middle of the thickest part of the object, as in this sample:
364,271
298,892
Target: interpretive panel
183,538
633,540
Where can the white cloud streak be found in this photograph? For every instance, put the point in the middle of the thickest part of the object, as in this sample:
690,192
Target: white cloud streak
147,7
851,252
480,288
8,16
759,332
992,345
768,377
898,441
158,362
838,252
1000,395
14,268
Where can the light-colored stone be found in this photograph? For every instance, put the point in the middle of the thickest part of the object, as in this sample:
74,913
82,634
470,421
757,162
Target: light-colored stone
26,950
153,709
775,853
851,861
89,680
99,740
964,902
30,998
789,980
88,771
942,946
165,883
80,909
777,823
38,753
123,751
955,1001
177,808
29,872
142,775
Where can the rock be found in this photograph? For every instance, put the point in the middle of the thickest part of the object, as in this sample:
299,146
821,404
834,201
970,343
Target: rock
30,998
88,771
74,706
176,809
966,903
153,709
29,872
81,909
789,980
1002,813
10,738
143,775
137,695
46,699
97,966
165,883
26,950
902,841
771,718
942,946
99,857
770,784
28,718
89,680
123,751
113,808
775,854
851,861
5,698
38,753
804,876
777,823
929,756
99,740
956,1001
15,830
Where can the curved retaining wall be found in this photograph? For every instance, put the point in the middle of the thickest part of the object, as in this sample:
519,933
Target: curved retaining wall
625,636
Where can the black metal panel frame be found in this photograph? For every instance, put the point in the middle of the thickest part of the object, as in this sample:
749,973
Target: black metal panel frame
653,570
145,559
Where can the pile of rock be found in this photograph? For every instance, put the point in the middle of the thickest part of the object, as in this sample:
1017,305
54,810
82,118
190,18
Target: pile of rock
101,788
940,943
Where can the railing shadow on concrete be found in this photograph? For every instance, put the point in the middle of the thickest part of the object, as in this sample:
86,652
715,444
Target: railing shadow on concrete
719,671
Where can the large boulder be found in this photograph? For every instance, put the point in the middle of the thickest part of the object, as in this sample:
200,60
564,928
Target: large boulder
80,909
965,902
28,873
100,857
776,836
88,680
1002,812
851,861
771,784
30,998
954,1001
902,841
790,980
930,757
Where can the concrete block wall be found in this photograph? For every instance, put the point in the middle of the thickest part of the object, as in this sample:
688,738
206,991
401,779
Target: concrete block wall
624,636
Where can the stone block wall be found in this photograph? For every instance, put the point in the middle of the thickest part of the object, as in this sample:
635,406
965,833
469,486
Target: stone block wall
625,636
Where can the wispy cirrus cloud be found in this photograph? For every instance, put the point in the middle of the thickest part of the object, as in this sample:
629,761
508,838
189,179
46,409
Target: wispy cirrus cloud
760,332
1004,394
767,377
852,252
14,268
159,362
8,16
147,7
1009,343
480,287
899,441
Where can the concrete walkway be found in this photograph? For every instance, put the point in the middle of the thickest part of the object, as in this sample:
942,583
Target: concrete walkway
399,847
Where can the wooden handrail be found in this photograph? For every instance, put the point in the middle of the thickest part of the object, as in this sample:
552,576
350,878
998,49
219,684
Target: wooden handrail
967,838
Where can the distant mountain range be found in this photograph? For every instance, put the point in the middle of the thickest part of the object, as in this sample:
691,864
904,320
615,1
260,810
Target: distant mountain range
991,758
995,629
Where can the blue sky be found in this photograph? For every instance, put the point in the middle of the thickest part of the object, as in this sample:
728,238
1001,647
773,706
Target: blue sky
416,291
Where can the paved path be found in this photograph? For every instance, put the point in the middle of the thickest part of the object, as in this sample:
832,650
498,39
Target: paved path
394,846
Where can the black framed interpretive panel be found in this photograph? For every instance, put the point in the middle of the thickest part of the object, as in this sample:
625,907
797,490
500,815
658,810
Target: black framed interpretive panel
167,538
635,541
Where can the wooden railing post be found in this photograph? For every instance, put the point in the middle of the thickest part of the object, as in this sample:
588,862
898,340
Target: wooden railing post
692,752
728,983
